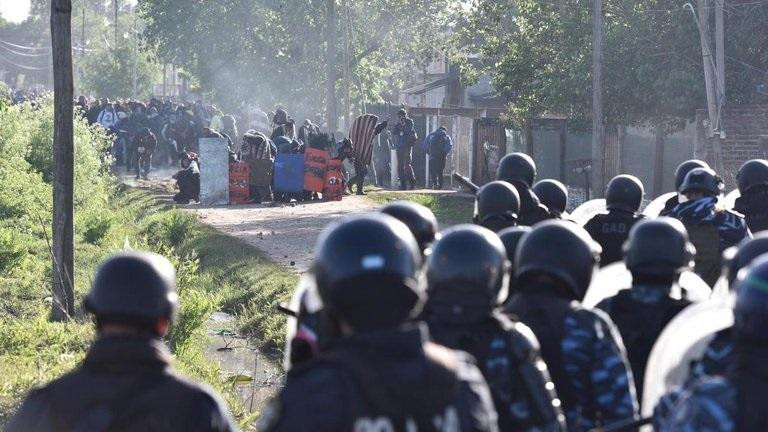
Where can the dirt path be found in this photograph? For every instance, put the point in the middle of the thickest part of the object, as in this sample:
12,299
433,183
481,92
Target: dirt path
285,232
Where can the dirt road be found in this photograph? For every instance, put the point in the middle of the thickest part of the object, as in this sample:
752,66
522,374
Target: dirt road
285,232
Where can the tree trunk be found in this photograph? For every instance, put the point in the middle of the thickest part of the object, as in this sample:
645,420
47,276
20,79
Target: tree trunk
63,162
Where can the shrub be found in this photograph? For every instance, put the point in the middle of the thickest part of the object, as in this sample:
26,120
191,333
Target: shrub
12,252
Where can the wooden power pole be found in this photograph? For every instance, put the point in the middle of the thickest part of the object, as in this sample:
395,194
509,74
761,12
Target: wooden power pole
720,54
598,153
331,65
63,161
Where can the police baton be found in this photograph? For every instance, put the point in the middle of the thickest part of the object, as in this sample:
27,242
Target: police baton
282,308
467,183
624,426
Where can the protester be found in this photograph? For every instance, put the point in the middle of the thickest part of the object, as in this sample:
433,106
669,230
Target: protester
145,144
405,138
437,145
188,179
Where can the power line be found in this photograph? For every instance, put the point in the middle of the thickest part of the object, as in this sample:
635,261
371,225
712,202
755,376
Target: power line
20,66
25,54
29,48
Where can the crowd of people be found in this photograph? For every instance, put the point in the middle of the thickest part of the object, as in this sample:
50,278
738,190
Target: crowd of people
475,328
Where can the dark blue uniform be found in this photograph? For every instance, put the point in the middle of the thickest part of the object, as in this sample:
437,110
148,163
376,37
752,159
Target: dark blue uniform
124,384
383,381
611,230
641,314
507,354
585,356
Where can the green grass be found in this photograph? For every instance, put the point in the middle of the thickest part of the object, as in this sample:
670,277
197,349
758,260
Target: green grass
450,209
249,284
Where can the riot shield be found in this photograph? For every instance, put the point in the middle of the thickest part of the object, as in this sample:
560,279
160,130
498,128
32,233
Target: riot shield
729,201
583,213
682,342
655,207
611,279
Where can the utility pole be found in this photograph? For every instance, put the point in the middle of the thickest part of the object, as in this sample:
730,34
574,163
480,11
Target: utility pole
720,53
331,64
63,162
706,53
347,75
598,153
135,34
114,3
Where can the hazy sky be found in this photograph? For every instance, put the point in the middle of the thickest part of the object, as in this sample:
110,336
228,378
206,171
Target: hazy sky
14,10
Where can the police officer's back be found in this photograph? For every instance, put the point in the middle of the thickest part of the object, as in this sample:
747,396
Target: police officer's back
520,170
380,373
753,185
126,382
656,253
738,401
497,206
622,198
511,237
554,195
711,228
581,347
466,276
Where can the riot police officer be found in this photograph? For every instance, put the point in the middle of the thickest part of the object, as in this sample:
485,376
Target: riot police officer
511,237
497,205
467,278
738,401
554,195
656,253
682,170
719,352
622,198
379,373
520,170
752,180
581,347
711,229
420,221
126,382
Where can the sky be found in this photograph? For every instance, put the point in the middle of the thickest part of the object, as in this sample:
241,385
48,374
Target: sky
14,10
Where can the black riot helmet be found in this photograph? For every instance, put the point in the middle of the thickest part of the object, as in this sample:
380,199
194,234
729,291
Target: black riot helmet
497,205
559,249
624,192
745,253
751,309
752,173
684,168
467,271
552,194
517,167
134,286
366,270
419,219
702,180
511,237
658,247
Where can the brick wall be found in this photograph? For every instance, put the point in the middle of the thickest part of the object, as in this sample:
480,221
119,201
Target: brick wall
746,137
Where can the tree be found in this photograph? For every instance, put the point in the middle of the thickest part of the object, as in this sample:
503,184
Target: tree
272,52
538,55
109,72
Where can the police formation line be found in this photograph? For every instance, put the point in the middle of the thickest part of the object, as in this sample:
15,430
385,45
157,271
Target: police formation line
481,327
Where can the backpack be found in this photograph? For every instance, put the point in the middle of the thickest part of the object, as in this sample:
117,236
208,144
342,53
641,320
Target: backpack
706,238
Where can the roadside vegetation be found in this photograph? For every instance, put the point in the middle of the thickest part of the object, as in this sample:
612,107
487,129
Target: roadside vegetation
449,208
215,272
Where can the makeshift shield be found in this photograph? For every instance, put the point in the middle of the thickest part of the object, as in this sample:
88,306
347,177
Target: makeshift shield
655,207
682,342
583,213
611,279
